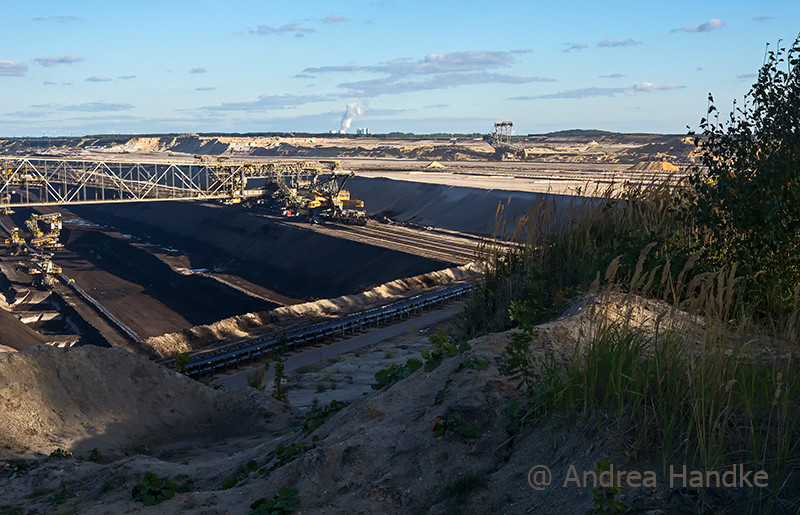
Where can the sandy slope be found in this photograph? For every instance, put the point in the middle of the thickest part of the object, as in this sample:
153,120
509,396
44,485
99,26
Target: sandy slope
87,397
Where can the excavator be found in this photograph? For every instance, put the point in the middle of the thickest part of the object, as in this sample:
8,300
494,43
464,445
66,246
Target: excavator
16,244
46,237
43,270
320,194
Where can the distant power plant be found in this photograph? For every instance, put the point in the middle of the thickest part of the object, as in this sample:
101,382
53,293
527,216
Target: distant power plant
362,130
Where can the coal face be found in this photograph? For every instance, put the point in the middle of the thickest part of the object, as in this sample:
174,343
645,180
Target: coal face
198,299
293,262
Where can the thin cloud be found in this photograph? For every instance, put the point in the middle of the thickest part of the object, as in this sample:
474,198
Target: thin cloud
206,88
334,19
712,24
644,87
617,43
197,70
98,78
59,19
95,107
747,76
390,85
471,60
56,60
436,106
611,76
49,83
266,30
442,70
269,103
304,76
763,19
126,77
575,47
12,68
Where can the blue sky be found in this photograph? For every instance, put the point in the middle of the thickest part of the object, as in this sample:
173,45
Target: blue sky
87,67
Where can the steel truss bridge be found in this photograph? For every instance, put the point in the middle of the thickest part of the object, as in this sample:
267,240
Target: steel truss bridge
32,181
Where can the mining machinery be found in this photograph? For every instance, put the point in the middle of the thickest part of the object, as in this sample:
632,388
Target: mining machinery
318,194
500,140
16,244
43,270
46,235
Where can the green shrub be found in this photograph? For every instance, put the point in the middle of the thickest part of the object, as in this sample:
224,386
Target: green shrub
61,454
153,490
316,416
283,502
746,195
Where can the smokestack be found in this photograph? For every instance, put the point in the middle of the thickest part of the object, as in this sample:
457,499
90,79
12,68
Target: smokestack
353,110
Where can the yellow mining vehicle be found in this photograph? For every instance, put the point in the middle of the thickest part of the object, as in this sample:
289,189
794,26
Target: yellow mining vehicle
318,193
16,244
43,270
325,196
46,236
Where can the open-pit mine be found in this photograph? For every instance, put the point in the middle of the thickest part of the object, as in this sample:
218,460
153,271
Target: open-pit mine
128,259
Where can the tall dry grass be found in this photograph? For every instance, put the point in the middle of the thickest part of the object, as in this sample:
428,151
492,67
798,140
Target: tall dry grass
721,387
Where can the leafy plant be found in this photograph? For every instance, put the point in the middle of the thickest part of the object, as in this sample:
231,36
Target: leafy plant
460,489
456,425
746,194
316,416
279,390
283,502
284,454
605,498
181,360
153,490
395,372
95,455
519,363
60,454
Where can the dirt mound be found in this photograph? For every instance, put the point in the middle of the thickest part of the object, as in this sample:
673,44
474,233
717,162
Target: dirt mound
654,166
86,397
251,324
16,335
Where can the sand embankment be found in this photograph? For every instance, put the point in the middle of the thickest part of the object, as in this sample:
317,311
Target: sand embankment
86,397
252,324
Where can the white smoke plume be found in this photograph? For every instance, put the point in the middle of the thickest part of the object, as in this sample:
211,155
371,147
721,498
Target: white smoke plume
353,110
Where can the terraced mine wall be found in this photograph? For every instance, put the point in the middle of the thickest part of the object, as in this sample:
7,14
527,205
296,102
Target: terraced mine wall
456,208
197,298
293,262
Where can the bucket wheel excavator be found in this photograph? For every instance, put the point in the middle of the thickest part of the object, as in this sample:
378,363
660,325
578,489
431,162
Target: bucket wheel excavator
319,194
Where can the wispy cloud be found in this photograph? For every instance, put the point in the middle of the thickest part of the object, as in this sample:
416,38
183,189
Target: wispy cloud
98,78
575,47
95,107
763,19
206,88
391,86
744,76
56,60
12,68
444,69
471,60
59,19
303,76
611,76
643,87
712,24
266,30
334,19
269,103
606,43
197,70
436,106
126,77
